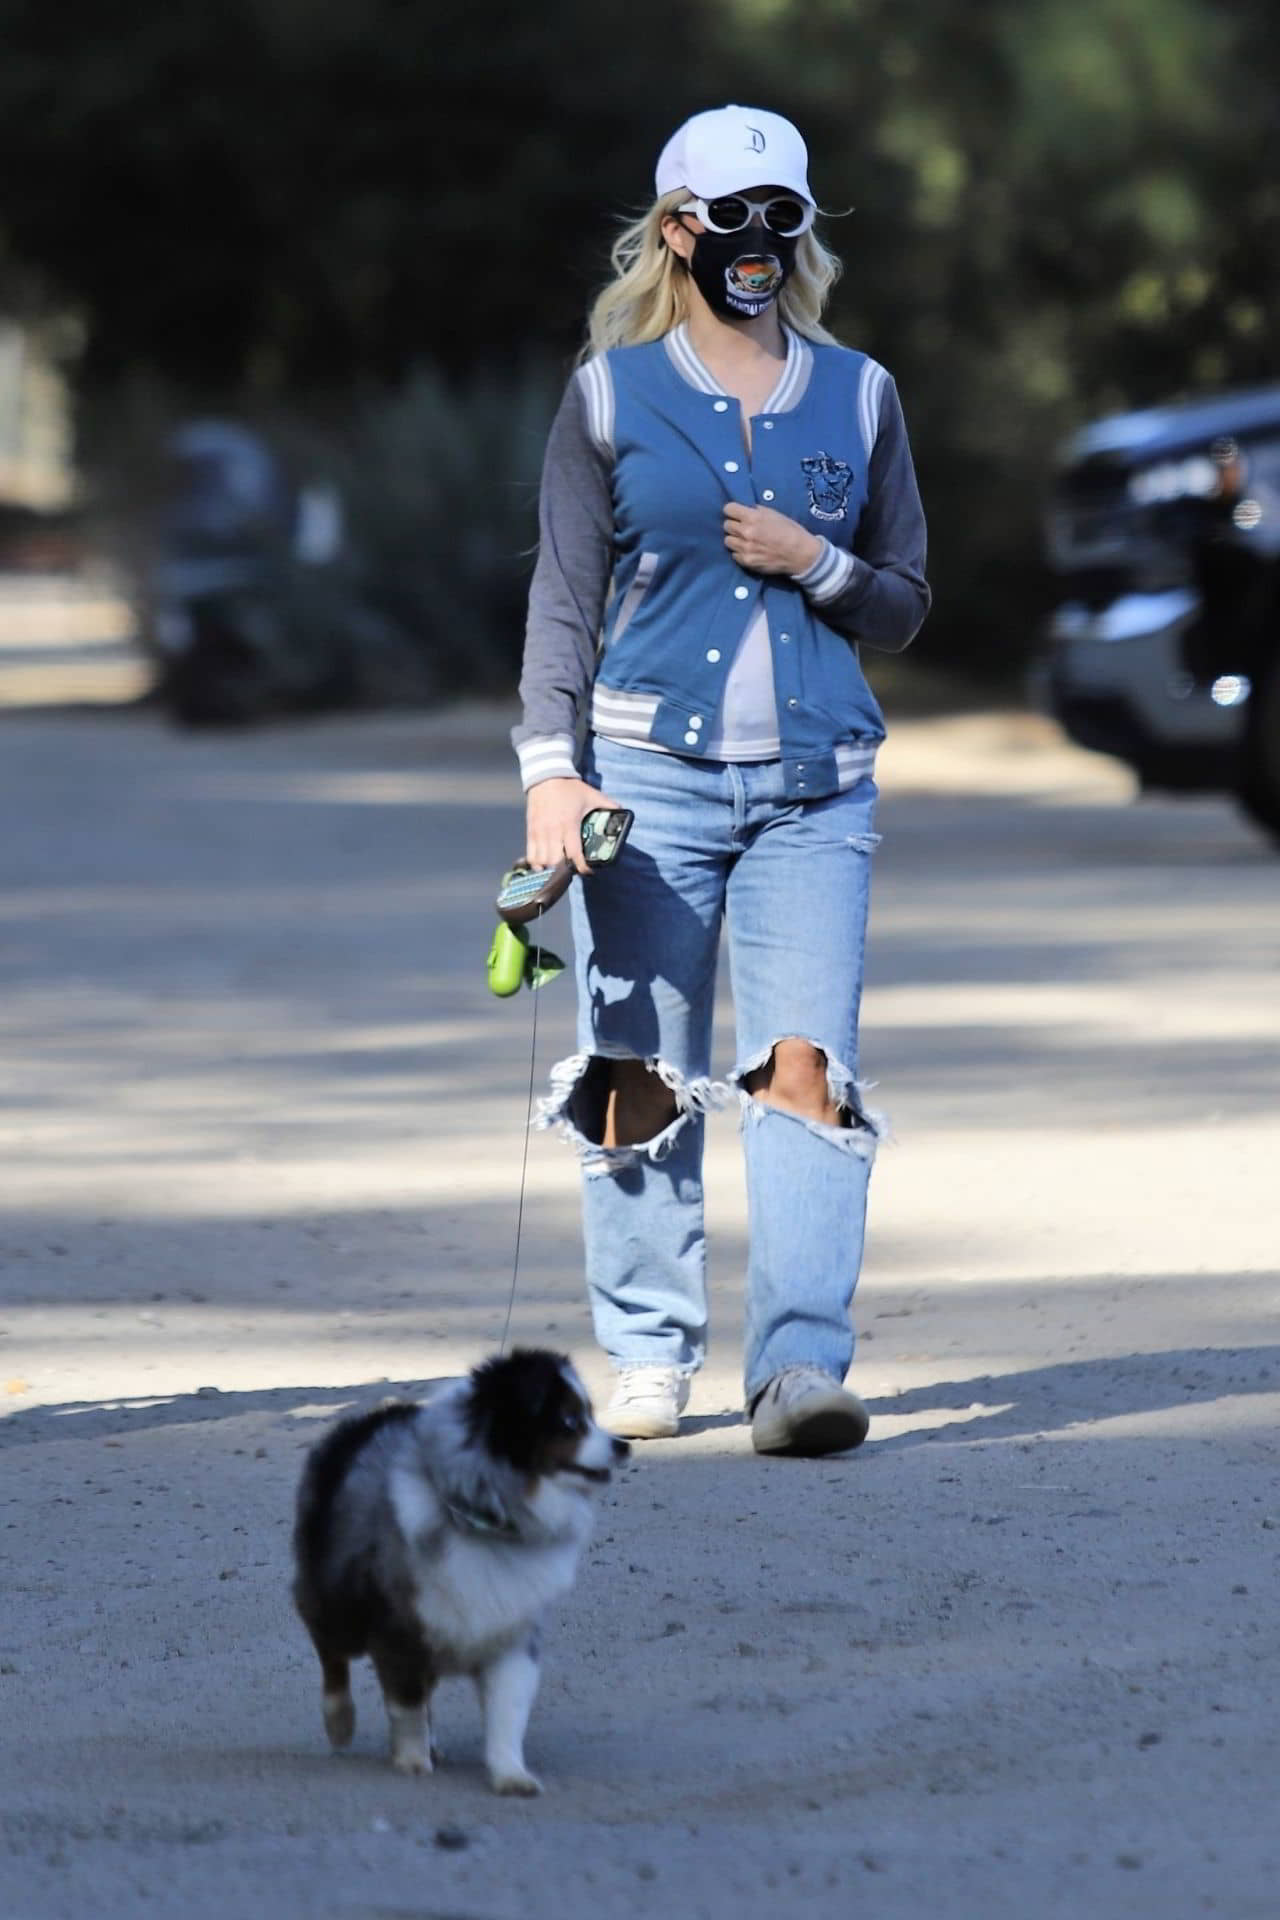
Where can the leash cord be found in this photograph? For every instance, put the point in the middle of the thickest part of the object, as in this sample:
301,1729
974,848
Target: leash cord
524,1166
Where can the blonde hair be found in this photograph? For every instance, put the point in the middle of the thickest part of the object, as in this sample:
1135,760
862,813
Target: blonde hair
649,292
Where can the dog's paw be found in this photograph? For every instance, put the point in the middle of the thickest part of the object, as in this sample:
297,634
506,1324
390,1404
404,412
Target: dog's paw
520,1782
411,1760
339,1719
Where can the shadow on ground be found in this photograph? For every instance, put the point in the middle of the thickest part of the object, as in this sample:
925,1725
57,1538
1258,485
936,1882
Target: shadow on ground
1028,1403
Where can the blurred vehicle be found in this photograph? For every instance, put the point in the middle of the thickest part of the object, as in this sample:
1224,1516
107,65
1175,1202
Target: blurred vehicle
237,604
1164,532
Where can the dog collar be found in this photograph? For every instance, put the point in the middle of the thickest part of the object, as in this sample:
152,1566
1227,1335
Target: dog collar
481,1520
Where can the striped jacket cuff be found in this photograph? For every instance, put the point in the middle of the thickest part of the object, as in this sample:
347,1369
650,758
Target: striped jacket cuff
548,756
831,573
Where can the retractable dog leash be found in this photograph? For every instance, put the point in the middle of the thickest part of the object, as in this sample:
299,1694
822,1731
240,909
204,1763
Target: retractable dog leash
524,1168
527,893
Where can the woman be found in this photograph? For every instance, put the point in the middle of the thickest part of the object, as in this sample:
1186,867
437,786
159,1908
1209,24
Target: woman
744,486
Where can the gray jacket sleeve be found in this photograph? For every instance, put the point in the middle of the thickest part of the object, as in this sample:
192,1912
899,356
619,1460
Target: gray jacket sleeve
567,596
878,593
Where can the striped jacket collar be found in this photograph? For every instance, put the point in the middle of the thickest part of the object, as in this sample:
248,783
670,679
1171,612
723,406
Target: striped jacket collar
791,382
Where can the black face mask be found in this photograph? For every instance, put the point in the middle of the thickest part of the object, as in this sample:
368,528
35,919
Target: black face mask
740,274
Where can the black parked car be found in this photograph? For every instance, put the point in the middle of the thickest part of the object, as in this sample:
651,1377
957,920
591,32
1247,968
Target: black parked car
1164,531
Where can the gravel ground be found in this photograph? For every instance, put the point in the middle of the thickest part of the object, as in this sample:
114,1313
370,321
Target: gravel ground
260,1135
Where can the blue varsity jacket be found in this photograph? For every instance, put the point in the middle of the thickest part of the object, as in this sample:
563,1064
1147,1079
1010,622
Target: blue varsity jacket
669,448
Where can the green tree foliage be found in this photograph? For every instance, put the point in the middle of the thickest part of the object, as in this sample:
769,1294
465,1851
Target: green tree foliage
1060,206
1047,225
277,196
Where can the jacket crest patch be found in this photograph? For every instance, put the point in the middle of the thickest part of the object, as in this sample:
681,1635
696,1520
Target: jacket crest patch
829,481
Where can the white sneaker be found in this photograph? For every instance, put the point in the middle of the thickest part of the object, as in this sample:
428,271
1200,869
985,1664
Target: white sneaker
647,1403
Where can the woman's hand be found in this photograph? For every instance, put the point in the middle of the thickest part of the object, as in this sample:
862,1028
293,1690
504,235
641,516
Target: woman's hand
765,541
555,811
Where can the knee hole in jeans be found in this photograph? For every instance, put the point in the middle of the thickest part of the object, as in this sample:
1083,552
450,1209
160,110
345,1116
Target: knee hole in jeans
622,1103
796,1077
638,1104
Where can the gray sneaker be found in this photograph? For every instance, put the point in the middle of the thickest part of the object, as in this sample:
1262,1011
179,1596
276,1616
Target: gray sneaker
803,1410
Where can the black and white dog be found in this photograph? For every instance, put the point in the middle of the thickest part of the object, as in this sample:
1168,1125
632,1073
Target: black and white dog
433,1535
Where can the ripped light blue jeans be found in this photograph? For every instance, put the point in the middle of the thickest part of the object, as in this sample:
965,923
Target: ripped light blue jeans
716,841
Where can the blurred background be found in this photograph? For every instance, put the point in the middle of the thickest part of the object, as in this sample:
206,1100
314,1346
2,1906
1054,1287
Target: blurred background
322,271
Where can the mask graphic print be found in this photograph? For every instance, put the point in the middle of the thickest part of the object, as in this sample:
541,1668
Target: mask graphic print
740,274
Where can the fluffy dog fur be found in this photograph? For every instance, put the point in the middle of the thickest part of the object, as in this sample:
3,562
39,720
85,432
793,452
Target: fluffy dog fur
432,1536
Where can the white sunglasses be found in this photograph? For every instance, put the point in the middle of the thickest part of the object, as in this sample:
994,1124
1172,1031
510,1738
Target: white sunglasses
784,214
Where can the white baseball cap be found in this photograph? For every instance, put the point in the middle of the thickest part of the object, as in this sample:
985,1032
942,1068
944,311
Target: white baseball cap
730,149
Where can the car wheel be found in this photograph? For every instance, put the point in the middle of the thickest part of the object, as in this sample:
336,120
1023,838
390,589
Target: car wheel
1258,790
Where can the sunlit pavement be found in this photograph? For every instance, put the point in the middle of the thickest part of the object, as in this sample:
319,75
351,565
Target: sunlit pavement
260,1140
66,642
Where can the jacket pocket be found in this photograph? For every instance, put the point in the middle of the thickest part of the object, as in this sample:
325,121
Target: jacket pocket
635,593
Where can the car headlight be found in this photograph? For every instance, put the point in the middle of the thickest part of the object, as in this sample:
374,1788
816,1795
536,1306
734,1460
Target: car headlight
1218,474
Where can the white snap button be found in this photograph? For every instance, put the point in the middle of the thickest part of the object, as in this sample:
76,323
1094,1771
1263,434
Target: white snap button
799,769
740,593
713,654
784,637
722,406
767,425
767,494
731,466
695,721
691,739
793,702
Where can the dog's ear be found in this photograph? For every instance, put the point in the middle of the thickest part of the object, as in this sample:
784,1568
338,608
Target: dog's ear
514,1400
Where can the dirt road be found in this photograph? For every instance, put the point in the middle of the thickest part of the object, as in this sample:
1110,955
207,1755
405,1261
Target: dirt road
260,1128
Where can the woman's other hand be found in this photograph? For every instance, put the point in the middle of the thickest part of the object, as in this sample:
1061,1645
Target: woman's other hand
765,541
554,813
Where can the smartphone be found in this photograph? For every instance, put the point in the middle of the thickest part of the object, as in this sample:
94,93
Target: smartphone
604,832
528,891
